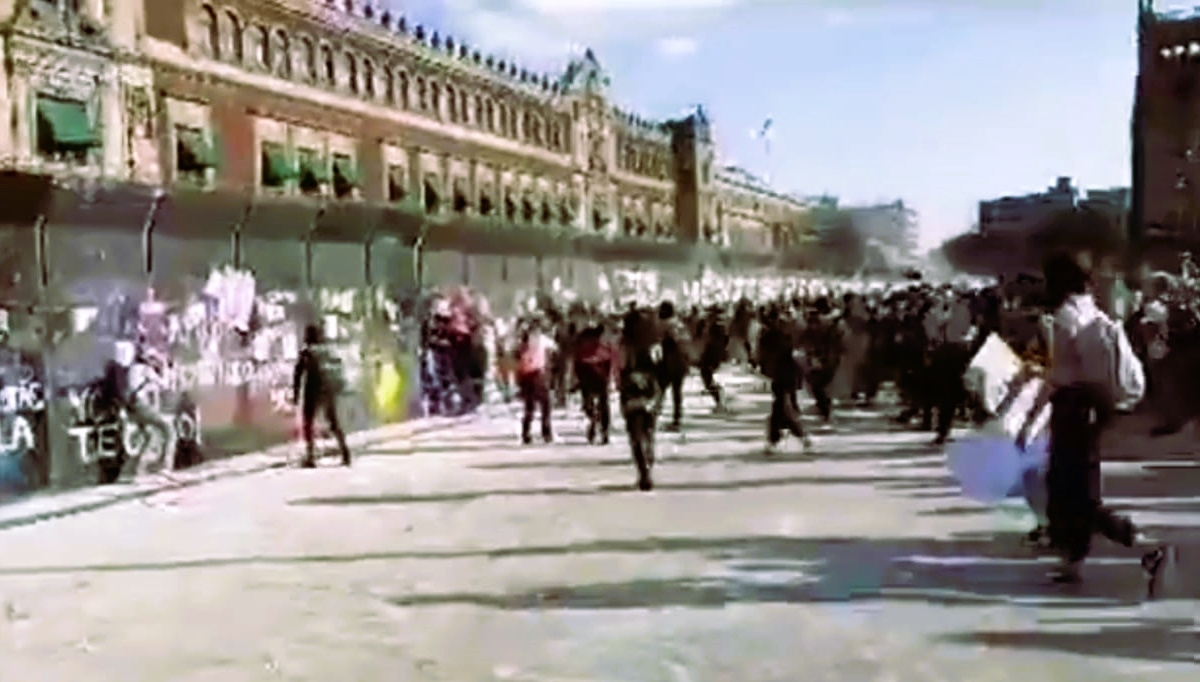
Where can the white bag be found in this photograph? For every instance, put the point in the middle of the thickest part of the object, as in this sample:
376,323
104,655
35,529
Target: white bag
1121,374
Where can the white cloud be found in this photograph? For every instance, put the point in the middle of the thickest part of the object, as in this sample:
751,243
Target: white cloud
675,48
876,16
540,33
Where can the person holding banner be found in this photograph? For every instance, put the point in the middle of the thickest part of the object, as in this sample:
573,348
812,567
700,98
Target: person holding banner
1092,371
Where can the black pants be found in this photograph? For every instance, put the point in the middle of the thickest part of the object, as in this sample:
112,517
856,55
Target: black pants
327,406
710,383
673,381
819,379
535,395
639,424
596,407
947,365
785,415
1075,508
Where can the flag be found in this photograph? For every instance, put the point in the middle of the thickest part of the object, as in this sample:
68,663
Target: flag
764,134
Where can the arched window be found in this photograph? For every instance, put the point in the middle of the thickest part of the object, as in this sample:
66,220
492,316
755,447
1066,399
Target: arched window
260,47
422,94
464,107
389,86
237,48
330,67
435,98
402,86
368,78
281,51
491,117
512,122
451,104
501,125
482,114
308,57
211,31
352,73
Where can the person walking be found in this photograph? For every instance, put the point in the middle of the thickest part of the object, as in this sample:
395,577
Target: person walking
640,392
534,354
1091,372
316,383
675,343
713,354
128,382
780,360
593,370
950,330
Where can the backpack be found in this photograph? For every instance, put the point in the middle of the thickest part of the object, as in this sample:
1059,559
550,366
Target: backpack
329,369
1121,376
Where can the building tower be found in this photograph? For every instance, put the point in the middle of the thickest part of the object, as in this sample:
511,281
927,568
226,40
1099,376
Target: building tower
692,149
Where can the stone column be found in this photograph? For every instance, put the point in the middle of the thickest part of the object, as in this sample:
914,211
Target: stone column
23,108
111,121
473,187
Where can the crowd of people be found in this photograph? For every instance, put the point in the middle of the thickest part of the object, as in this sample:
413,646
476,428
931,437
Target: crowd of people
841,341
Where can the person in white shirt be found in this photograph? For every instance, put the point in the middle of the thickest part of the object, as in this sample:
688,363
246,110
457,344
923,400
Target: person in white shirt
950,330
1075,509
533,364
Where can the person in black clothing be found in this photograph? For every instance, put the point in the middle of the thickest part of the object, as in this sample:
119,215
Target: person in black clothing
673,368
593,371
780,361
640,393
714,353
315,387
822,344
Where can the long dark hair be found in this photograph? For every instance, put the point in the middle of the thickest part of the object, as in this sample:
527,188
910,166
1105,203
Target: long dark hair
1065,277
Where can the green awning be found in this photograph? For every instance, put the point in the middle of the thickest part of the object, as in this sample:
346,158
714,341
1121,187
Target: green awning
312,164
277,165
345,171
194,151
67,123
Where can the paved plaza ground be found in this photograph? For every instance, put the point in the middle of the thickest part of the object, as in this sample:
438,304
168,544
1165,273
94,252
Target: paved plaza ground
458,555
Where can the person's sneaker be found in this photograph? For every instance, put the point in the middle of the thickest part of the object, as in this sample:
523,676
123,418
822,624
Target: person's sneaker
1038,538
771,449
673,427
807,443
1157,564
645,484
526,440
1066,574
308,463
346,459
604,439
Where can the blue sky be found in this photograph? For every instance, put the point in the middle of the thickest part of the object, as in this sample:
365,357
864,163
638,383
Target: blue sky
936,102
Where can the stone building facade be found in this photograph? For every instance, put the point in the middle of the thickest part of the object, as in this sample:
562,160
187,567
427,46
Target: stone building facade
80,97
1166,124
340,99
330,101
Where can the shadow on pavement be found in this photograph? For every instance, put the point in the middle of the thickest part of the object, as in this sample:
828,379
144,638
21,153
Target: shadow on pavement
755,455
884,482
1147,640
981,571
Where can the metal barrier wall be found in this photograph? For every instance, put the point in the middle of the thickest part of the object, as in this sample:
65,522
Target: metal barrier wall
68,252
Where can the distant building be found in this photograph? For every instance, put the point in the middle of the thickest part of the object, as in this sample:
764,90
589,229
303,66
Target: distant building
892,226
750,214
1017,215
